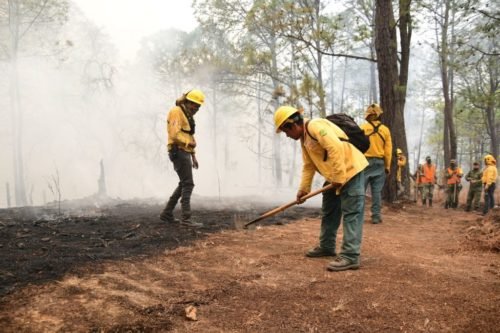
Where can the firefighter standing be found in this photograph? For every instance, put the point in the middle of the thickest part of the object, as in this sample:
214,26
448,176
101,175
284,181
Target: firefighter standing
399,175
379,157
453,180
474,177
419,176
489,179
428,181
181,151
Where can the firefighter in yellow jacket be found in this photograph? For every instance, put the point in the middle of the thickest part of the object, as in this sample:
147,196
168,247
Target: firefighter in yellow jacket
379,157
342,166
399,175
181,151
490,175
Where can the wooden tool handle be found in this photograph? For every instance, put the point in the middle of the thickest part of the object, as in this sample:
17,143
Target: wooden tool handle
288,205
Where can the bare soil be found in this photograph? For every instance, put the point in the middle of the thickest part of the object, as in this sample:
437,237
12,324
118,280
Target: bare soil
120,269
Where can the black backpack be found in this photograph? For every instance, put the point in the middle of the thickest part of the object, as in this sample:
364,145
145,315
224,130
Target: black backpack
355,134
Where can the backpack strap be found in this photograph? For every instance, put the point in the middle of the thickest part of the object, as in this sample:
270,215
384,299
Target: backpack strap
375,130
325,155
190,118
307,131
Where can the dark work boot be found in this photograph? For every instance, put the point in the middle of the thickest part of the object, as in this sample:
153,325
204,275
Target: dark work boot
424,202
320,252
172,202
190,223
168,217
430,202
341,264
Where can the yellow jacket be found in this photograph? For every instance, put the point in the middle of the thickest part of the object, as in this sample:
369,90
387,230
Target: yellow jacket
401,165
490,172
343,161
378,148
177,124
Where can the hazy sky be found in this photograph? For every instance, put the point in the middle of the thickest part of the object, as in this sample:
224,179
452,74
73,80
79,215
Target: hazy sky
127,21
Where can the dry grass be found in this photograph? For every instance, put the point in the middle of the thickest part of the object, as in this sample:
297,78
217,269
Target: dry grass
486,234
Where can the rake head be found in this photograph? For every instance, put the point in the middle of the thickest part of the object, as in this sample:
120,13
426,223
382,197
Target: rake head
241,219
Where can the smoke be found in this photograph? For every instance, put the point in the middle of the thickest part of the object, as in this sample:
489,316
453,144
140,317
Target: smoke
81,106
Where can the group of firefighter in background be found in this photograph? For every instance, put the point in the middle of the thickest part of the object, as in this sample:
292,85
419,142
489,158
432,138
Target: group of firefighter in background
425,180
350,158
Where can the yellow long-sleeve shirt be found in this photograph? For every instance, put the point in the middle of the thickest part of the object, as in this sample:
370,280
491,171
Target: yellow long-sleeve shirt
379,148
177,124
401,165
343,161
490,174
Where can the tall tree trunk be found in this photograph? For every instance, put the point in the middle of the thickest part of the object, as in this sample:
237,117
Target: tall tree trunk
490,106
259,129
392,83
446,140
450,140
399,137
492,128
373,67
342,92
293,83
332,84
420,138
373,83
15,105
277,168
319,59
101,182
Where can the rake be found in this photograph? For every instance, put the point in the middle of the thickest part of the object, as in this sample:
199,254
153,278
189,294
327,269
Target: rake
240,225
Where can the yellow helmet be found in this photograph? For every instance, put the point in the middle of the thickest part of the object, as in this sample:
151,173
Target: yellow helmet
399,151
489,160
282,114
196,96
373,109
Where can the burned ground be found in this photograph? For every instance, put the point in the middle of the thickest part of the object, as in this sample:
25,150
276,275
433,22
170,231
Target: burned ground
39,245
119,268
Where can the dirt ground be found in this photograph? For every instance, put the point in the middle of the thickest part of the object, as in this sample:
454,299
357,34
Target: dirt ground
119,268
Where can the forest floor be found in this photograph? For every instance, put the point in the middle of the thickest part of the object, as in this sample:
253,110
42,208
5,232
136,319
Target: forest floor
119,268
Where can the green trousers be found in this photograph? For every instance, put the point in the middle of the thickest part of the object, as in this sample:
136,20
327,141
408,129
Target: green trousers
427,191
453,193
473,197
347,207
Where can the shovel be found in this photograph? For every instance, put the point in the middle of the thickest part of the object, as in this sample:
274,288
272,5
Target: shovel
288,205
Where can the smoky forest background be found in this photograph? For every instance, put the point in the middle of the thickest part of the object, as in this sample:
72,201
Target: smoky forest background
78,122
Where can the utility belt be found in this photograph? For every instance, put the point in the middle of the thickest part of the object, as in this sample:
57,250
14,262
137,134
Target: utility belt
174,151
173,147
